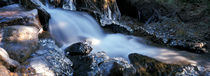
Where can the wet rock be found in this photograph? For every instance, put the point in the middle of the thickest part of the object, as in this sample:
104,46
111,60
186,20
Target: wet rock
36,4
183,25
127,8
16,15
192,11
64,4
190,70
81,65
19,41
116,67
7,61
106,11
150,67
78,49
146,11
114,28
56,3
172,32
7,2
48,60
4,71
45,35
99,64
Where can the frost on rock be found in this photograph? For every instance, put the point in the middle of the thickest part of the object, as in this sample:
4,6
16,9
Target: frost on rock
49,60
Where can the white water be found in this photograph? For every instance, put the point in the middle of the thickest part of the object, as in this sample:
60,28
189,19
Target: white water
68,27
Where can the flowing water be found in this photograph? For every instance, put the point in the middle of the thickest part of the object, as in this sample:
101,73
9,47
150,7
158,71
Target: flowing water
68,27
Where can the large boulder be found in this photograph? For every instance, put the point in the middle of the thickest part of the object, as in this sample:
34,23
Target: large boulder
16,15
99,64
49,60
19,41
147,66
78,49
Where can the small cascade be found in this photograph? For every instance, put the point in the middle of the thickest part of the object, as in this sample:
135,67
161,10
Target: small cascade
68,27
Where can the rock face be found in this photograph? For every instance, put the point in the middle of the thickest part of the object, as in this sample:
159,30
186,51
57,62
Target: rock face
78,49
19,41
16,15
36,4
48,60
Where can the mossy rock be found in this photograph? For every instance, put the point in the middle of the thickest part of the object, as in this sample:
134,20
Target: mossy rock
146,66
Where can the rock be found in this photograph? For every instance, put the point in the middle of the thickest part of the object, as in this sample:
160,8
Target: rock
172,32
99,64
114,28
178,24
16,15
146,11
106,11
19,41
192,11
151,67
56,3
4,71
6,61
127,8
78,49
81,65
116,67
7,2
36,4
48,60
45,35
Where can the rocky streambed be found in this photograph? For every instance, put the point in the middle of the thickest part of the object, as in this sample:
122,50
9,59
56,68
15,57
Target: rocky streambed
181,27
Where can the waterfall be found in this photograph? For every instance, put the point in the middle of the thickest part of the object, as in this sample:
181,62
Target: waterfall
71,26
68,27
